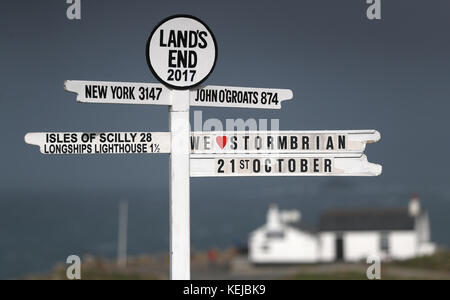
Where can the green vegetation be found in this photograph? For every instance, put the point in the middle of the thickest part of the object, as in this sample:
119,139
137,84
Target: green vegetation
328,276
424,268
156,267
438,262
96,275
93,275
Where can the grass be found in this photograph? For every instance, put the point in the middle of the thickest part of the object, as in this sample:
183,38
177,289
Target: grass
328,276
428,267
115,276
93,274
439,262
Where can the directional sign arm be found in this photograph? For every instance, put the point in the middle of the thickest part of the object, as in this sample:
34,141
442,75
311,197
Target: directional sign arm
239,97
254,142
119,92
282,165
100,142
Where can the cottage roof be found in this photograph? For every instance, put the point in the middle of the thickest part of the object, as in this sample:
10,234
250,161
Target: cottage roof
367,220
302,226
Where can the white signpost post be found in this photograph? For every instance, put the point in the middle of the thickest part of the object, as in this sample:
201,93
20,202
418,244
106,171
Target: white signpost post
182,53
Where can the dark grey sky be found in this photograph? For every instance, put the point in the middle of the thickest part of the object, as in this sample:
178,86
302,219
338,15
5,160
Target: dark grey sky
346,73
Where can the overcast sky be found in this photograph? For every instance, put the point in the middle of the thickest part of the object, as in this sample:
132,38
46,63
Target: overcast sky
346,73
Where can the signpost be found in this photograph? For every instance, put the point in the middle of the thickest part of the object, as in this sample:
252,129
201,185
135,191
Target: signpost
119,92
282,165
344,141
100,142
227,96
181,53
158,94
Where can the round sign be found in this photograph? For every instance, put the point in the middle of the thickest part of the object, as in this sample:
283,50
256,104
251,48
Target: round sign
181,52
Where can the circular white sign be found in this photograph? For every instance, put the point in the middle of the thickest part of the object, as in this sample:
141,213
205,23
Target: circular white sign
181,52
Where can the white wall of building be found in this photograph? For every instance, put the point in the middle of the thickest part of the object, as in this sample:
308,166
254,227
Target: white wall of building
403,245
301,247
358,246
295,247
327,242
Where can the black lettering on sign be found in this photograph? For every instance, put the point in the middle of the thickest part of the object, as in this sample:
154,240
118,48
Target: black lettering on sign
123,92
291,165
294,143
242,165
268,166
341,142
303,165
280,165
246,142
207,143
67,149
182,59
161,39
221,164
146,137
256,166
172,39
270,142
146,93
195,141
183,39
203,43
327,165
258,143
330,145
316,165
305,143
95,92
177,75
233,145
282,142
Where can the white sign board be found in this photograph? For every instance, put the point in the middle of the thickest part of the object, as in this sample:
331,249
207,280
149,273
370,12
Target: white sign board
240,97
283,165
157,94
100,142
343,141
119,92
181,52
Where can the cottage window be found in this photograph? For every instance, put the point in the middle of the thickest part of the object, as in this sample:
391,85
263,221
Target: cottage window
275,235
384,242
265,248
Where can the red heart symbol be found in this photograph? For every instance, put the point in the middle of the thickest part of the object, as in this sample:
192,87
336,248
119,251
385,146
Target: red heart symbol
221,141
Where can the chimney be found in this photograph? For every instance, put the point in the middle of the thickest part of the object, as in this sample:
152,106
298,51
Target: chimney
274,218
414,206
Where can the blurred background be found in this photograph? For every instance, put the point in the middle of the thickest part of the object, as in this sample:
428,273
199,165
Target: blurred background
346,72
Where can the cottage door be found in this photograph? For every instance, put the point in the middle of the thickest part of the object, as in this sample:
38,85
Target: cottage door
339,248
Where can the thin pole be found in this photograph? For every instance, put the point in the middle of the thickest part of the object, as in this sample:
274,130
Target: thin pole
122,238
179,187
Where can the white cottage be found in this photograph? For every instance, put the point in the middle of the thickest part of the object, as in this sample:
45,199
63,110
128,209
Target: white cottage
343,235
